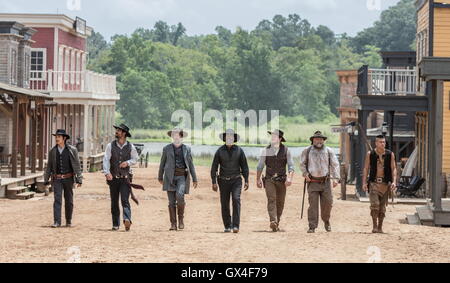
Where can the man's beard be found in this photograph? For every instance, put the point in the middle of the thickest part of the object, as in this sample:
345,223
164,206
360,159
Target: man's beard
177,142
318,146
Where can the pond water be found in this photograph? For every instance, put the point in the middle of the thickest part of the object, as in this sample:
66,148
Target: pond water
198,150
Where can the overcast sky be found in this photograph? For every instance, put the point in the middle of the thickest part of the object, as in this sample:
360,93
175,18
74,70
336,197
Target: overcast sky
111,17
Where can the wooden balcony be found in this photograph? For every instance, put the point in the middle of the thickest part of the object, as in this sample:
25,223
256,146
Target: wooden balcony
391,89
74,82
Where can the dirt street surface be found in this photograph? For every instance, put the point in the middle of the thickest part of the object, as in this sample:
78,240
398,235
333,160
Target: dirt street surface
26,236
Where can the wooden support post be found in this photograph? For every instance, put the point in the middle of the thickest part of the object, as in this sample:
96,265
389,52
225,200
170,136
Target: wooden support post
41,132
15,137
362,120
23,137
436,143
33,141
86,140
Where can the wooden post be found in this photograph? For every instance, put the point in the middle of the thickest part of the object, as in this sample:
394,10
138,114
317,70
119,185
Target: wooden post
343,182
436,174
23,137
33,141
362,120
41,132
15,136
86,141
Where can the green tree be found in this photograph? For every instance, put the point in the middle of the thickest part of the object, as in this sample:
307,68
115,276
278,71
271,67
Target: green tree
395,31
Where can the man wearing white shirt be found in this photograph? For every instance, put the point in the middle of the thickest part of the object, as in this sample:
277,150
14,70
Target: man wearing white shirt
120,155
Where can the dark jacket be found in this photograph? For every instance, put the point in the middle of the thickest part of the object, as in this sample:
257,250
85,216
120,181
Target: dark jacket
233,163
74,160
167,167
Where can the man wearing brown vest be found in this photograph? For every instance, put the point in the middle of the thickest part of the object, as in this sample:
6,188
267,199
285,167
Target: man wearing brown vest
320,168
276,157
120,155
381,169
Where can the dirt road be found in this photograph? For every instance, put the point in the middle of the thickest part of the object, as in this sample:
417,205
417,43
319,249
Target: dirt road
25,235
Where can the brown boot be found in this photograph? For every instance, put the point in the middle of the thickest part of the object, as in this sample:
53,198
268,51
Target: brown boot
374,221
181,216
380,223
173,218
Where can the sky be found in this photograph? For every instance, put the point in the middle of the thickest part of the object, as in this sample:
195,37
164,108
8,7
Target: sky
110,17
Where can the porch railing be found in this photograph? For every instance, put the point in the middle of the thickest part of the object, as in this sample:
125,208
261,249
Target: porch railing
73,81
387,81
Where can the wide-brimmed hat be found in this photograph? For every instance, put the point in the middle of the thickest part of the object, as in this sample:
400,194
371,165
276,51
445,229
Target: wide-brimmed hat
61,132
229,132
182,133
279,133
124,128
318,135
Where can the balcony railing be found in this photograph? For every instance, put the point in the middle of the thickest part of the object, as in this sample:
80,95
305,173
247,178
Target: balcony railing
73,81
387,82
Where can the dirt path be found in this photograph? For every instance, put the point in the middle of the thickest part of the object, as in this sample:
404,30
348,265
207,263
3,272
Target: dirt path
25,235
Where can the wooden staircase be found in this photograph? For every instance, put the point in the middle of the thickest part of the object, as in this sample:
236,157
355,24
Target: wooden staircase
19,193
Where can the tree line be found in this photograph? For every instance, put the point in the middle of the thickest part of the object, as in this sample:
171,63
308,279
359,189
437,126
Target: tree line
283,64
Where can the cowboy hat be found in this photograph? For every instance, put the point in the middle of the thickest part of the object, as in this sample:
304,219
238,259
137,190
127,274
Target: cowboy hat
124,128
182,133
318,135
229,132
278,133
61,132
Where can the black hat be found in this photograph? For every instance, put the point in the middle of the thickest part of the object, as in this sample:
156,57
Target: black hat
61,132
124,128
229,132
319,135
279,133
182,133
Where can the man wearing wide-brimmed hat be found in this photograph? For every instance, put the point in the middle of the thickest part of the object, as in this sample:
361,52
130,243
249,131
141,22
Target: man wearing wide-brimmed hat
276,157
175,170
320,167
120,155
64,170
233,166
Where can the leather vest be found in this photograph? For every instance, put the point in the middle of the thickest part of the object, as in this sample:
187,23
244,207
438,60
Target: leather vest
276,165
117,157
386,165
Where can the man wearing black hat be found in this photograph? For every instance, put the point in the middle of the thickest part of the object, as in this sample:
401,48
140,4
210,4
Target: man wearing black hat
233,165
320,168
120,155
64,169
276,157
175,170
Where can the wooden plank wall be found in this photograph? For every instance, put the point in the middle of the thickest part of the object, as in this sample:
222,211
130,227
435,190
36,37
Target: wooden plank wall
441,48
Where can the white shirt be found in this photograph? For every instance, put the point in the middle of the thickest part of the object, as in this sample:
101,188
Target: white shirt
319,163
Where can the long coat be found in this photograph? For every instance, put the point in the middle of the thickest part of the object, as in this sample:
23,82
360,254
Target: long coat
167,167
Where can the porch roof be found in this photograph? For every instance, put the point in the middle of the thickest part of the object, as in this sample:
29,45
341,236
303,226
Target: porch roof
13,90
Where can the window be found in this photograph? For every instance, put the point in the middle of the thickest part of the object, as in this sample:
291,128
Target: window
38,64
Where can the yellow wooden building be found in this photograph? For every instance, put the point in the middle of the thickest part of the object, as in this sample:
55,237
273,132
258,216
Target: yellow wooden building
433,40
433,126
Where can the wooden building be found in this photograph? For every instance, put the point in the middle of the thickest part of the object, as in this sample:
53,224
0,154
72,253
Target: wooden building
433,126
84,101
376,85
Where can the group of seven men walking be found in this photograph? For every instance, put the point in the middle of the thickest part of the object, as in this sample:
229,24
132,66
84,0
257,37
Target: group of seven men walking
318,164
